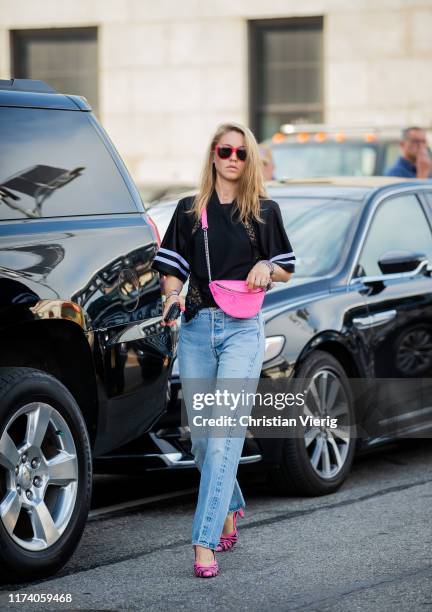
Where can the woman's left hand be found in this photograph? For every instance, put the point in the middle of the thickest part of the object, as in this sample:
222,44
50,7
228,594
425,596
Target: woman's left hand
259,276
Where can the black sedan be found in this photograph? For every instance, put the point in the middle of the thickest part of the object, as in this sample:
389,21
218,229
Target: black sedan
354,324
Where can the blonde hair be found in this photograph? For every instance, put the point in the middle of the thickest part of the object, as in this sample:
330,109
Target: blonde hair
251,182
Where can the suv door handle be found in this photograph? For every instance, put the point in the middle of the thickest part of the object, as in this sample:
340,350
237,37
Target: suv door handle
138,331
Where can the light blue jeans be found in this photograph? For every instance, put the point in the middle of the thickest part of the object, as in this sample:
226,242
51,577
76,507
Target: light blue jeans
216,346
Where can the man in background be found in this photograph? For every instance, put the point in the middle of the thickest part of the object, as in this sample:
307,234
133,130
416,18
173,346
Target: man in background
415,160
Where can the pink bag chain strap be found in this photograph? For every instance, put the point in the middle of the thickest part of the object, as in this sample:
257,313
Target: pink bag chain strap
204,223
204,218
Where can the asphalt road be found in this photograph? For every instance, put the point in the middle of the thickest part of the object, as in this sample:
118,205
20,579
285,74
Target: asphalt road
367,547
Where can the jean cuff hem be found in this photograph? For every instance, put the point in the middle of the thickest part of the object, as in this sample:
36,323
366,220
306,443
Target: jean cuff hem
236,508
205,544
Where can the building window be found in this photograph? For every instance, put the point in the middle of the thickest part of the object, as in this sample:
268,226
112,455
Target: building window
65,58
286,75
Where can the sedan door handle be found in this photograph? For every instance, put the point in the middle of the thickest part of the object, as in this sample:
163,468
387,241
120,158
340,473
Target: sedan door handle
384,316
378,318
362,322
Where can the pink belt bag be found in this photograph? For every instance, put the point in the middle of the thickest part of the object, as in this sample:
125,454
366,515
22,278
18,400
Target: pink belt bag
233,296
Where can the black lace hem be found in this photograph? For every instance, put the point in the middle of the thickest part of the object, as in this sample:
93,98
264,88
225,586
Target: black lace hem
195,300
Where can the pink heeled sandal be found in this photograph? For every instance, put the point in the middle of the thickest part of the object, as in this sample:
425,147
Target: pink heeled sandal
227,541
206,571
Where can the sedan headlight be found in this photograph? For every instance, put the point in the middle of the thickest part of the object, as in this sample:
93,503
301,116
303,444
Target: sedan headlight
273,347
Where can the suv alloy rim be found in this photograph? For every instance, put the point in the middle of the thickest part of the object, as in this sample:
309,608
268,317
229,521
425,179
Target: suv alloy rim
38,476
327,448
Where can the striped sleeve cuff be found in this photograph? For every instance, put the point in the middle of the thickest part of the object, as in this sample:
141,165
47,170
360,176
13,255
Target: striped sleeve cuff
171,262
285,261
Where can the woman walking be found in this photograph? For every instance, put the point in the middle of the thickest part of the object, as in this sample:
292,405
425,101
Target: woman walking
229,230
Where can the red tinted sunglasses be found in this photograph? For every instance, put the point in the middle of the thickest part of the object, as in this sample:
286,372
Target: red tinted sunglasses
225,152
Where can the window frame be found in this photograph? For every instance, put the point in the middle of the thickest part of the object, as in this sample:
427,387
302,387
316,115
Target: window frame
19,37
426,199
255,29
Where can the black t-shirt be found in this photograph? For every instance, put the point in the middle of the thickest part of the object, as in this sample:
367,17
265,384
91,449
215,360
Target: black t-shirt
234,247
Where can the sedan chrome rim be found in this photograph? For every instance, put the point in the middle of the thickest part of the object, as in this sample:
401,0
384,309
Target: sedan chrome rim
327,447
38,476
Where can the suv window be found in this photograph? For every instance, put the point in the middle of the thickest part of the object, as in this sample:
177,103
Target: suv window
399,224
54,164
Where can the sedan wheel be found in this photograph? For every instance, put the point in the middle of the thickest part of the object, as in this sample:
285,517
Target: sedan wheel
327,447
319,461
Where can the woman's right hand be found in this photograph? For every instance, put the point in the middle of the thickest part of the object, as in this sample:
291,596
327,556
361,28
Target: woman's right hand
169,302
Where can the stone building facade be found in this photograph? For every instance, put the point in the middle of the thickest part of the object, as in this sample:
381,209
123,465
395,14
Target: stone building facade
163,74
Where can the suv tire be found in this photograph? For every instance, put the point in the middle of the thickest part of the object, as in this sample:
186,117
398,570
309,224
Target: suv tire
45,473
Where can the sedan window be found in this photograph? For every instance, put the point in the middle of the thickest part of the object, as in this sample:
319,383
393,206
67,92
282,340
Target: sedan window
398,224
320,232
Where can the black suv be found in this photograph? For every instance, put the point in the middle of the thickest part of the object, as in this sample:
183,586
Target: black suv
84,362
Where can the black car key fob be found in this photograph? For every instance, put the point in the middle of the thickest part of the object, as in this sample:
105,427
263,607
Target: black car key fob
173,312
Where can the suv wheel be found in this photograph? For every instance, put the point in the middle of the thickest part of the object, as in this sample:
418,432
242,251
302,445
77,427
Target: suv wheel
318,462
45,473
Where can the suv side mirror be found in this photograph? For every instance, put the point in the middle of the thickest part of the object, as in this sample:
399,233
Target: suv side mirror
394,262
